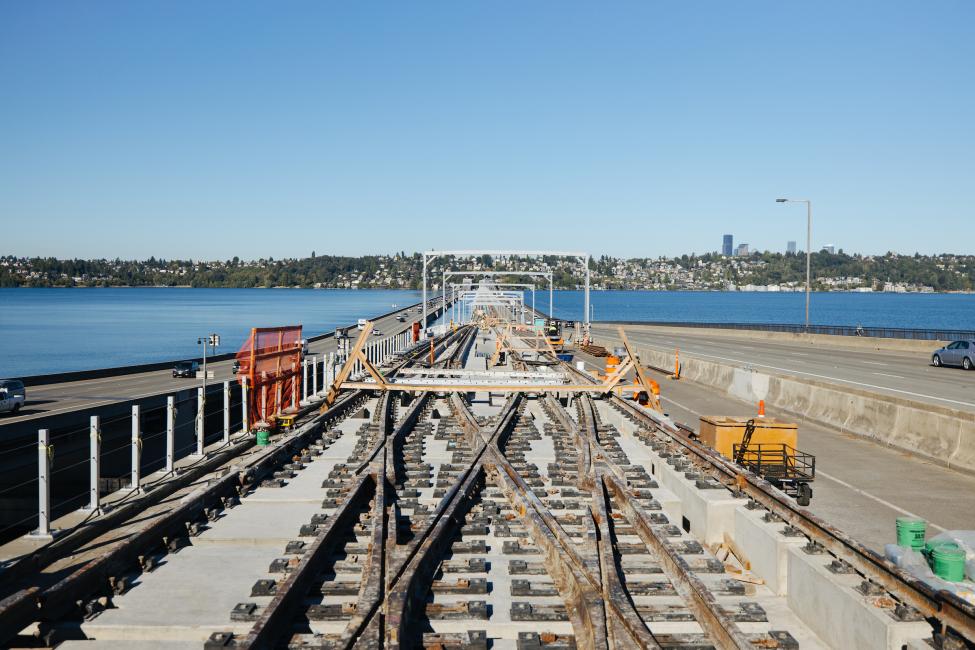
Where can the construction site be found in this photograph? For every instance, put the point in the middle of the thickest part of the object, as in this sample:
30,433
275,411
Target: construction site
484,476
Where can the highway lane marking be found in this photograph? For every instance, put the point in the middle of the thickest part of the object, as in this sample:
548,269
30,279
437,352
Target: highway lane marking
823,474
886,374
800,354
890,505
875,363
845,381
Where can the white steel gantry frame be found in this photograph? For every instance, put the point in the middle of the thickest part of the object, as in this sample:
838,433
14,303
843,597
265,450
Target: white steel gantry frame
489,298
457,287
583,258
535,274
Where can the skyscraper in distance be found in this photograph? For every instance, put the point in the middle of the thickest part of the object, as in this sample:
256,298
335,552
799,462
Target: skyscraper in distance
727,246
790,247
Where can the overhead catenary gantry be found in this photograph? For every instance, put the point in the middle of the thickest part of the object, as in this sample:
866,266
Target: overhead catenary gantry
534,274
582,258
513,301
457,289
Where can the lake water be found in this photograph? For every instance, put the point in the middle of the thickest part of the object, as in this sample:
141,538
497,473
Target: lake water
55,330
908,310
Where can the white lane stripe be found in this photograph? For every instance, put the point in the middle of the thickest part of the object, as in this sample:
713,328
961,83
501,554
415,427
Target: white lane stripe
800,354
823,474
875,363
906,513
885,374
845,381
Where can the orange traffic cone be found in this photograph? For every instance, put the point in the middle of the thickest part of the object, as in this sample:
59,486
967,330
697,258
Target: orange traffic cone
761,408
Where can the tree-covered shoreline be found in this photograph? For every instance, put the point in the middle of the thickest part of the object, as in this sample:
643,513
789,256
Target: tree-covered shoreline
711,271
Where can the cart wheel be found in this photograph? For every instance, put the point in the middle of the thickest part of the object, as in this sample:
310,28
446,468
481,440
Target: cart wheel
803,494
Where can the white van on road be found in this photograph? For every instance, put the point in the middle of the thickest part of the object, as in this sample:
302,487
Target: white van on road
13,395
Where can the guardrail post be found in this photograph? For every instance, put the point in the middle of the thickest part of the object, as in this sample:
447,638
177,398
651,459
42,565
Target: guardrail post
43,485
244,424
170,433
200,418
304,379
136,478
94,463
314,375
226,412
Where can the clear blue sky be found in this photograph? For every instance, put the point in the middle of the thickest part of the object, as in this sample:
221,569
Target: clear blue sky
213,129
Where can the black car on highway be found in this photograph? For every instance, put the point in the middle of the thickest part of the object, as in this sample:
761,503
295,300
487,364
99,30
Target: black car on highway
186,369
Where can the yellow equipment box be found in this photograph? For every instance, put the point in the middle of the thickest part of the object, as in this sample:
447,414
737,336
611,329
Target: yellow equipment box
720,432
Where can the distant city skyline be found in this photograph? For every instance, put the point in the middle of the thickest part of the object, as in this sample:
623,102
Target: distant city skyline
168,130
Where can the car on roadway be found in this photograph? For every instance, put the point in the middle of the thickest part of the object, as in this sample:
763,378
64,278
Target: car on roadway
401,318
956,353
185,369
377,333
13,395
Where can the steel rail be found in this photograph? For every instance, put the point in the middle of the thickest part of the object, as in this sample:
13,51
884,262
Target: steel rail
378,597
32,604
948,609
421,556
276,616
588,578
718,625
944,606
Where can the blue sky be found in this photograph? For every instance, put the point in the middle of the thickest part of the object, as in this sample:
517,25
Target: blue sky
208,130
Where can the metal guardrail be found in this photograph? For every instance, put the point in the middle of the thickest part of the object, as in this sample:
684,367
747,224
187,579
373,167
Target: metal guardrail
100,373
833,330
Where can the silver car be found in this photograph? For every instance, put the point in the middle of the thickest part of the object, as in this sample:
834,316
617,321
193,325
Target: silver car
12,395
958,353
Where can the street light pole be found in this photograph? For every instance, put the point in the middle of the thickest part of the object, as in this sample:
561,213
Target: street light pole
212,340
808,246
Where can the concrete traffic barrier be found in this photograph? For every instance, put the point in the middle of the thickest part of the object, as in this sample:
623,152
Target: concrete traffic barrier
940,434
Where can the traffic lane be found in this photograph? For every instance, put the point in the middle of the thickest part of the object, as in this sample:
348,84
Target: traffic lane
861,486
895,360
882,372
54,399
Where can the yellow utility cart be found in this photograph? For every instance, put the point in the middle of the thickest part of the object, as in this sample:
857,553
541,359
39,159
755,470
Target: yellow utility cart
766,447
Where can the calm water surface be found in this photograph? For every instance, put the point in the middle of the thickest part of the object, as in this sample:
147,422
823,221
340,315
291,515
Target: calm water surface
54,330
913,310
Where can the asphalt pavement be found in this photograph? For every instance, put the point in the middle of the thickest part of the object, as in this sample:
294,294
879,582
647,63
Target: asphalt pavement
861,487
53,399
900,373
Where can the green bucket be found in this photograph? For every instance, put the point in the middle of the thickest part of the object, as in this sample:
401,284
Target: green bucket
263,437
910,532
948,562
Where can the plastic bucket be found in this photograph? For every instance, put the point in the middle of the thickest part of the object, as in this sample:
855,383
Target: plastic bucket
263,437
932,544
948,562
910,532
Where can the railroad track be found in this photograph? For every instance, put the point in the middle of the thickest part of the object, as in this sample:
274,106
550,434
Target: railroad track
537,532
79,573
537,523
